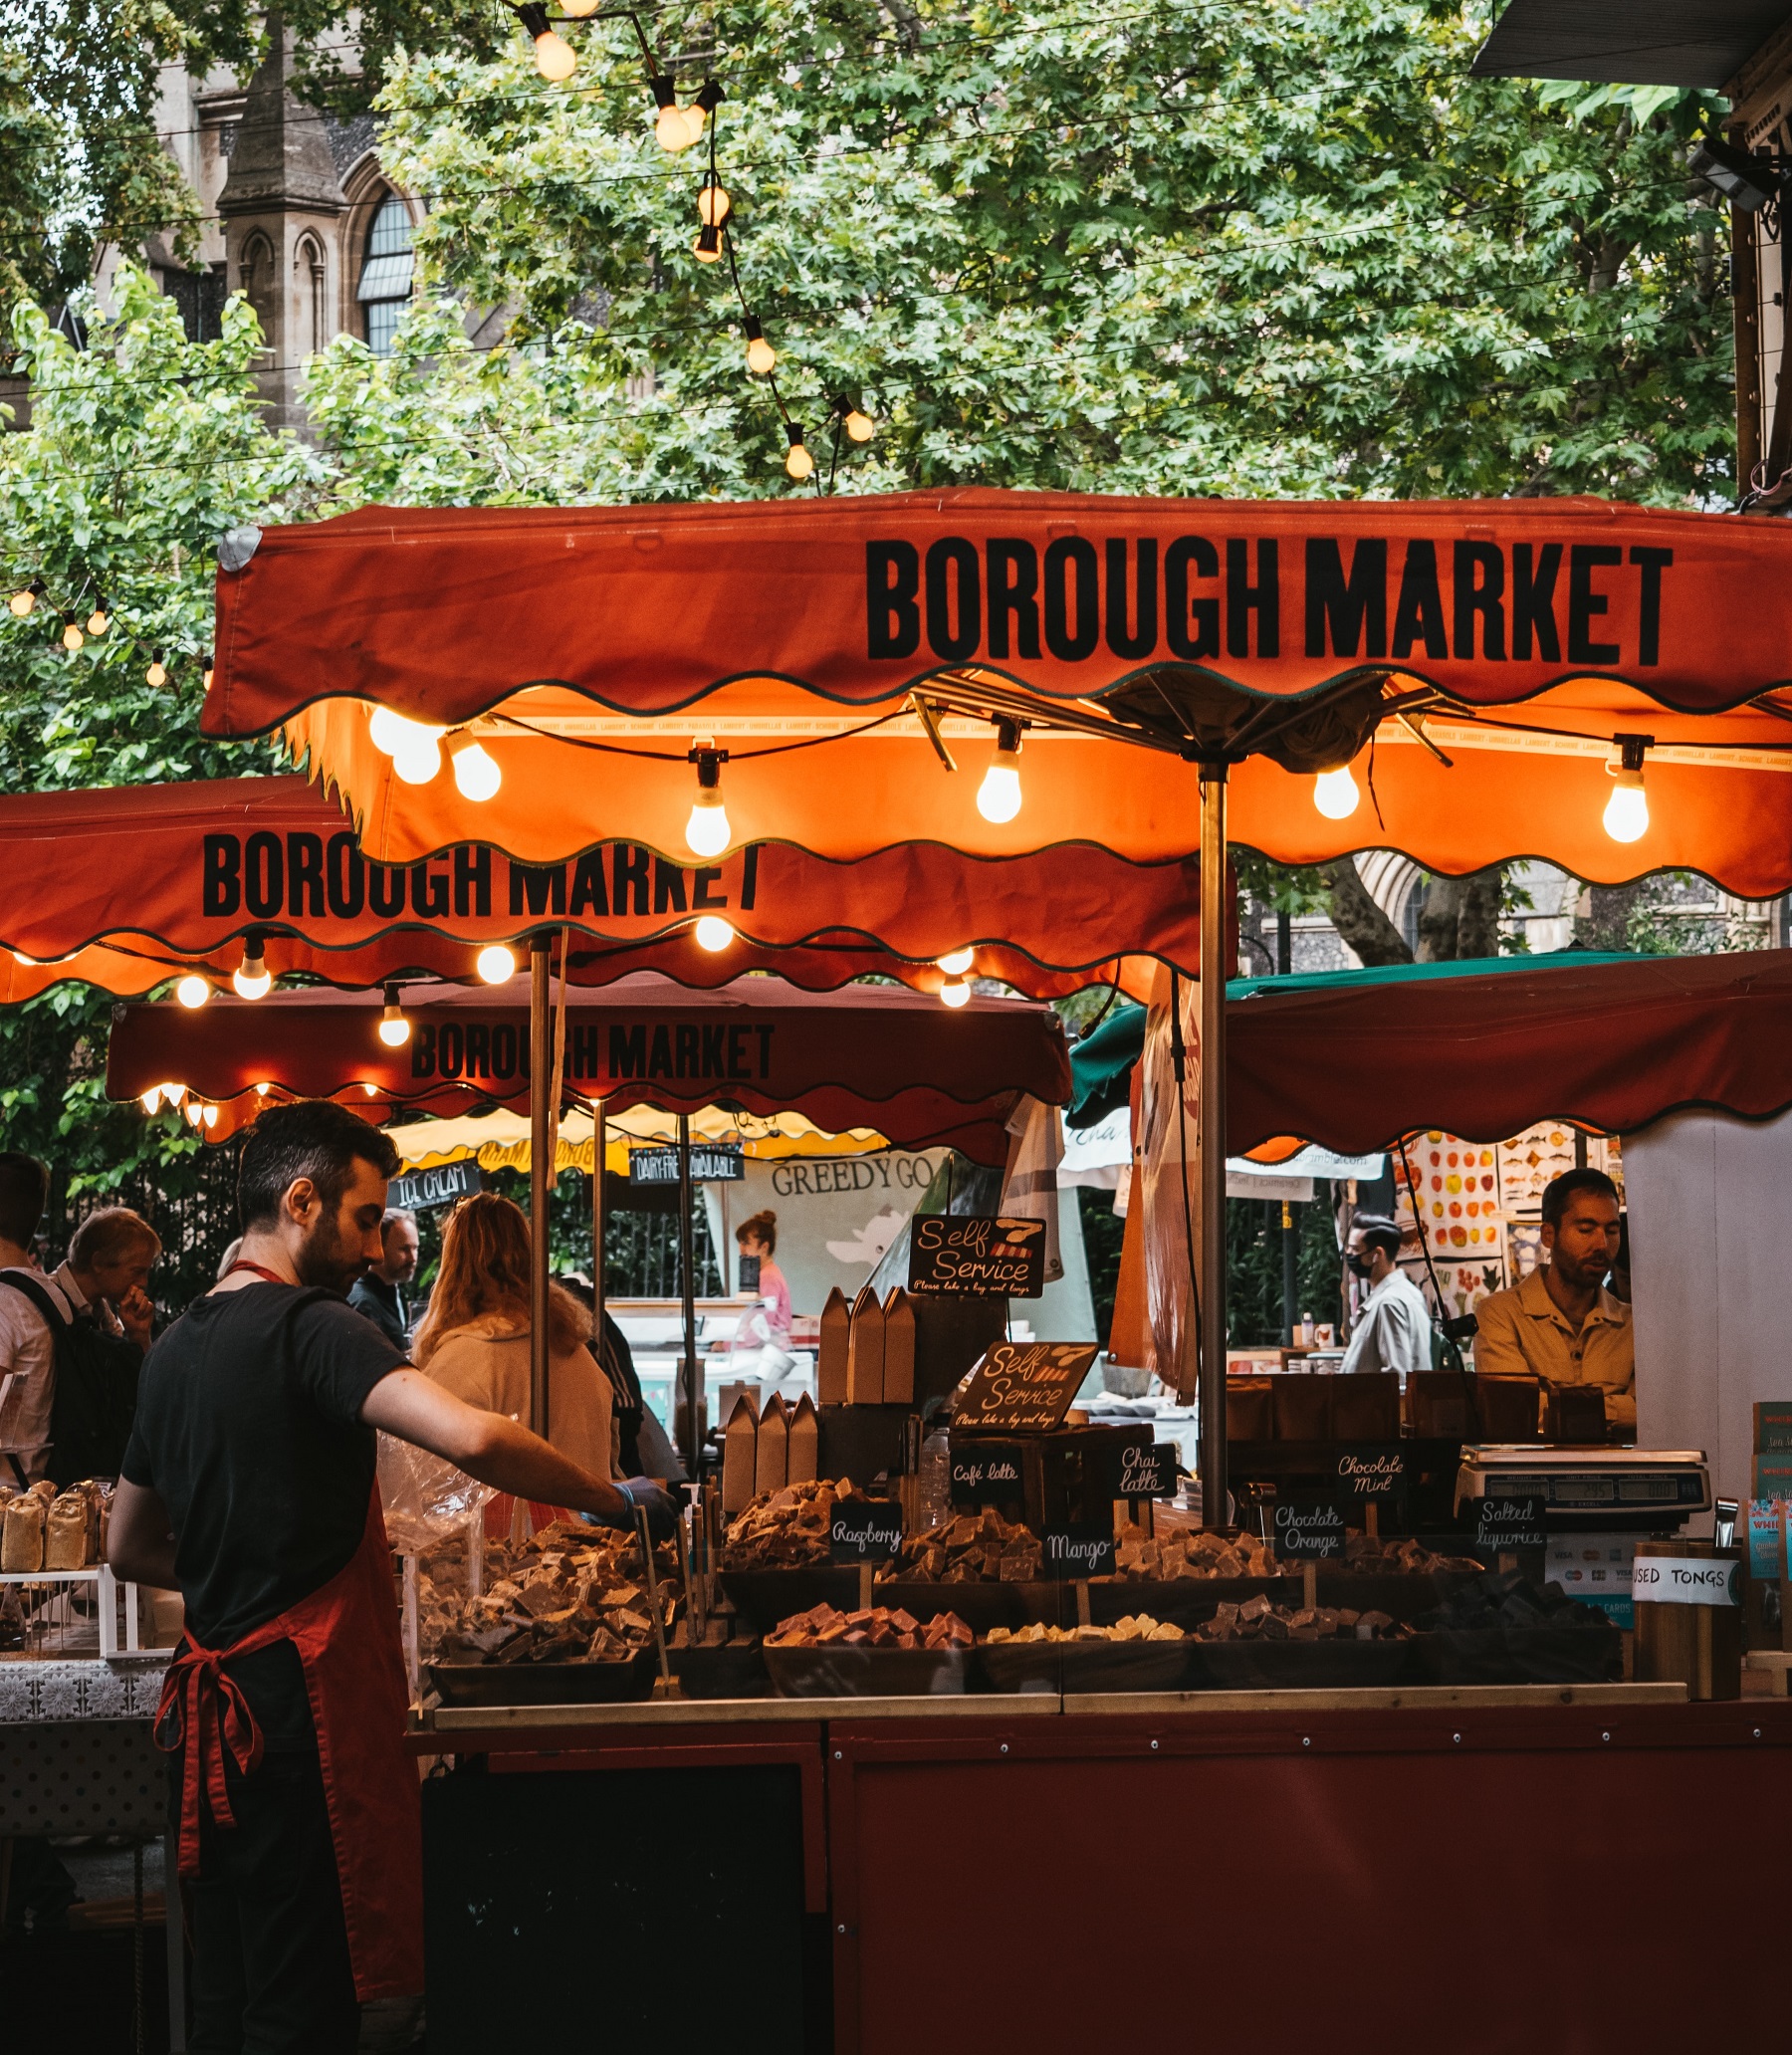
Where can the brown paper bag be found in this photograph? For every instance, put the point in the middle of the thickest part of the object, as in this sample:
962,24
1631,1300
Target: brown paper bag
899,1348
771,1468
833,1349
739,1456
865,1357
805,1443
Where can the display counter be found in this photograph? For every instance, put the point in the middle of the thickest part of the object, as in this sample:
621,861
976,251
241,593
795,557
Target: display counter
967,1873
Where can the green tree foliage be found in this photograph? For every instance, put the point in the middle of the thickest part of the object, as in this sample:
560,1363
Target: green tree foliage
1191,247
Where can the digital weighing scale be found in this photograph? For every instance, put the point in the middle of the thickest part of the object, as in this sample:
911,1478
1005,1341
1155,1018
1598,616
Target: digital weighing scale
1613,1490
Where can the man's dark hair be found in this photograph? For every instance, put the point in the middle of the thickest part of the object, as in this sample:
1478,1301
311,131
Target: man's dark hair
312,1138
1559,1192
23,1185
1379,1231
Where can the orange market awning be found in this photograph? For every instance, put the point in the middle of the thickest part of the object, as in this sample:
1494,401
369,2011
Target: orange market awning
875,1056
125,887
1472,662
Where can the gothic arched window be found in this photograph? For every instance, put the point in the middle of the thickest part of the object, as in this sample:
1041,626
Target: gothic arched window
386,279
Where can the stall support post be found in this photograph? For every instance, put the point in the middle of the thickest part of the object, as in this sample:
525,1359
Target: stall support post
541,1084
1215,928
686,1287
598,1226
1290,1256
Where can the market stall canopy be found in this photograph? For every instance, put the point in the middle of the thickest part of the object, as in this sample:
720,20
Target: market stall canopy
823,667
1642,43
502,1141
180,876
1482,1049
870,1056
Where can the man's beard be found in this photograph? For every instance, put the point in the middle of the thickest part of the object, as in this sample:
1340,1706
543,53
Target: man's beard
325,1259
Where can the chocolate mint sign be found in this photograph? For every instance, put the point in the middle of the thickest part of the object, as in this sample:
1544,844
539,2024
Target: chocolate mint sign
1504,1527
1305,1528
966,1257
864,1530
1067,1553
1147,1470
1024,1387
1370,1471
986,1472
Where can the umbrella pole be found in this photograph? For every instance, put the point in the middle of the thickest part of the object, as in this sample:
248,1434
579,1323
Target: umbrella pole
687,1286
1210,1375
540,1072
597,1229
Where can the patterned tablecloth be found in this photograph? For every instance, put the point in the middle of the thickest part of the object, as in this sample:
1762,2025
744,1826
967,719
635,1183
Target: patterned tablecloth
76,1753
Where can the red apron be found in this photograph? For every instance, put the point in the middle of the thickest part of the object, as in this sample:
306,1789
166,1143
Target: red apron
347,1637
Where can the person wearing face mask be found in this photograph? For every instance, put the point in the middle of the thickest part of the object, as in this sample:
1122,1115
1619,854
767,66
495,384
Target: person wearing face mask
1394,1325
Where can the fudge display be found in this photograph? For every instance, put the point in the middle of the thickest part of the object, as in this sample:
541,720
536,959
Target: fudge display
878,1626
967,1550
570,1594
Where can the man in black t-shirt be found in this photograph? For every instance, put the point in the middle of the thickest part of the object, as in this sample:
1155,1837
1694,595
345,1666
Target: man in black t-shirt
248,1485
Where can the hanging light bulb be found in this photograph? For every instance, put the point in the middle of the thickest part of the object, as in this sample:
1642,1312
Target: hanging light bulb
205,675
696,115
707,249
1626,815
394,1028
760,356
713,203
955,991
172,1094
252,978
553,55
957,962
152,1099
418,756
389,732
1335,793
714,933
71,637
999,796
27,597
156,675
496,964
859,426
578,9
99,620
194,1111
670,128
797,461
476,772
192,990
211,1117
707,832
369,1089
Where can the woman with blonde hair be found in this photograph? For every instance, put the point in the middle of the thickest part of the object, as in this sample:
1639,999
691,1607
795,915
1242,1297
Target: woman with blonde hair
474,1340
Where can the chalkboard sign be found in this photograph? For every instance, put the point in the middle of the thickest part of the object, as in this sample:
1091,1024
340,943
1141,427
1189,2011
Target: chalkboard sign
1024,1387
986,1472
865,1531
1143,1470
1303,1528
746,1269
1066,1553
1370,1471
1504,1527
712,1163
421,1190
969,1257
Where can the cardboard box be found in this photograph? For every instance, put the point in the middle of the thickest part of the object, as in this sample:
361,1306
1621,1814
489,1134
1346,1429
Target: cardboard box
804,1443
899,1348
832,1350
865,1352
739,1456
771,1468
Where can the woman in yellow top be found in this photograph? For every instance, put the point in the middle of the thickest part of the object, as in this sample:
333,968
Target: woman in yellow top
474,1340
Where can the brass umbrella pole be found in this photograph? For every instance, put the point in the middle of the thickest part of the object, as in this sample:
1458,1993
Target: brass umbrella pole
1211,1141
687,1290
598,1228
541,1087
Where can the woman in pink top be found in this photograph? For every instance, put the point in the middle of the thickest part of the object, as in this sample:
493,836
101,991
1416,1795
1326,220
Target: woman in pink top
759,1237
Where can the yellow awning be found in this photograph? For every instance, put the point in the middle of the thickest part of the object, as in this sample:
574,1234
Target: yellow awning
501,1140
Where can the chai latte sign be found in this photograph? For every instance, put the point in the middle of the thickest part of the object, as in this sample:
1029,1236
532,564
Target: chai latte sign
1024,1387
973,1258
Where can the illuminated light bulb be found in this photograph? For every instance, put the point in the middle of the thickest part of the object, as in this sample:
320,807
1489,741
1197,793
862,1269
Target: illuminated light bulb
957,962
707,249
859,426
553,56
476,773
71,637
152,1099
670,128
172,1094
194,1111
369,1089
713,934
19,957
417,758
157,674
760,356
1625,814
707,830
211,1117
387,730
797,461
578,9
713,203
394,1028
205,676
999,796
99,620
22,600
1335,793
192,990
262,1090
695,121
495,963
252,978
955,992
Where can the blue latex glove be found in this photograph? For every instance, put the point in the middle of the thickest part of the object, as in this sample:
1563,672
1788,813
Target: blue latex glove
656,1501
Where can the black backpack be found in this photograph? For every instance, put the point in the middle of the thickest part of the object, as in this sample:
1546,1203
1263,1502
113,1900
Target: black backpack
95,1401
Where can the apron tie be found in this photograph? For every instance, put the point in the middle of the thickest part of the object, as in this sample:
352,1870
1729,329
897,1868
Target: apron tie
204,1713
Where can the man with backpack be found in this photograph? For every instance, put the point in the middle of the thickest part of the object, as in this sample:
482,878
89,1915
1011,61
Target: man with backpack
72,1341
